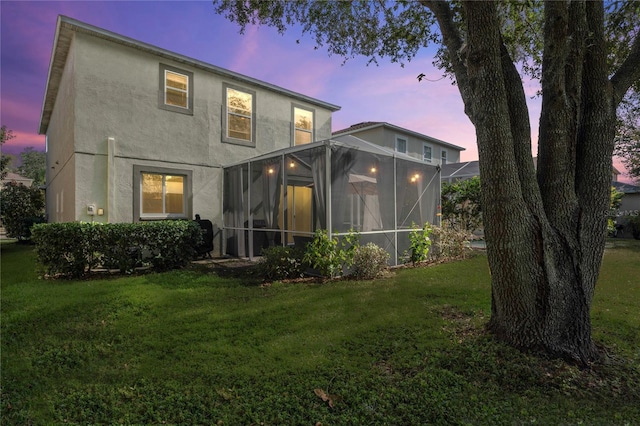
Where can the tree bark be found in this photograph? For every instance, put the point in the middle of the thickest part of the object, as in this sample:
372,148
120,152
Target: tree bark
545,230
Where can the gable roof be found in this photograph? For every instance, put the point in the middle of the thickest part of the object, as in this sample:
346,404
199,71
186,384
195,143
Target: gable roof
65,29
369,125
14,177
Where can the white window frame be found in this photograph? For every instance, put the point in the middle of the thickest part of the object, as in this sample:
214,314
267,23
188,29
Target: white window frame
293,123
430,159
443,156
225,121
406,144
186,194
162,97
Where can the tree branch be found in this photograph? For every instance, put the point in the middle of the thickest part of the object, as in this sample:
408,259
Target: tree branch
627,74
452,39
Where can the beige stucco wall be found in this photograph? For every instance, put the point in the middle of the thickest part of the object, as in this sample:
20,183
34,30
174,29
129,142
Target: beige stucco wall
387,137
414,146
60,171
110,91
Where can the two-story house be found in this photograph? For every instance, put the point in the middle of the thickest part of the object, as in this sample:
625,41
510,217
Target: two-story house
430,150
135,132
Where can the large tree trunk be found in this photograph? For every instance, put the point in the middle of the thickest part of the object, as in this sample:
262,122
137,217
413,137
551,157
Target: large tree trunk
545,229
544,238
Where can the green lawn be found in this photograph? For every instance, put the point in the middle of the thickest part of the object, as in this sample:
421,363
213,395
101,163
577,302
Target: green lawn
190,347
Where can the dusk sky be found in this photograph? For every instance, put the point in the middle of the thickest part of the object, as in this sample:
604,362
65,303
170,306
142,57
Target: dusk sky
387,92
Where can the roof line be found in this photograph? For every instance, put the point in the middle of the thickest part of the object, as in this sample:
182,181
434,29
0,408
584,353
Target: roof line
66,23
375,124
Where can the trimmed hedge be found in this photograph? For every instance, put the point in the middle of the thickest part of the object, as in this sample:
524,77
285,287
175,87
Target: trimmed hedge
76,248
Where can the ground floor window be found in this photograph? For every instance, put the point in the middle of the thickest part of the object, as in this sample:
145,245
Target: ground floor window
161,193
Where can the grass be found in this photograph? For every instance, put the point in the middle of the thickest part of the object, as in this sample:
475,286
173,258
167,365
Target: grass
191,347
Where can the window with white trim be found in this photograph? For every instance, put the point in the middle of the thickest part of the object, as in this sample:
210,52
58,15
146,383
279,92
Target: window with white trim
444,156
162,193
427,153
239,120
401,145
302,126
176,90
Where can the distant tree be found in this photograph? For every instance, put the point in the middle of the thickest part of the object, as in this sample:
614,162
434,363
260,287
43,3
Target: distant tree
545,228
628,135
5,135
33,165
616,198
20,206
461,203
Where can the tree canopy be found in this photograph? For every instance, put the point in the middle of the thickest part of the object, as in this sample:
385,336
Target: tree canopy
33,165
5,135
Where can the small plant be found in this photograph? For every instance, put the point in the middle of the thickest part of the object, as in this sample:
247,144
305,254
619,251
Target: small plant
450,241
331,255
420,243
279,263
369,261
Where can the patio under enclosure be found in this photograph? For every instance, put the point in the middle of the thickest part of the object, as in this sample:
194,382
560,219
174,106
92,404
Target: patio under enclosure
342,184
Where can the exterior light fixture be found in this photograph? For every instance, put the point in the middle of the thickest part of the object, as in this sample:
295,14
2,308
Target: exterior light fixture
270,171
292,165
373,169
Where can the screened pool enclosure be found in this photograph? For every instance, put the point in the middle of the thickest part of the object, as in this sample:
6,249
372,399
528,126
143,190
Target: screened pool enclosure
340,185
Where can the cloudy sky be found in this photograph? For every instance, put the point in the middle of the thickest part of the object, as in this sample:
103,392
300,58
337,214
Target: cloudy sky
387,92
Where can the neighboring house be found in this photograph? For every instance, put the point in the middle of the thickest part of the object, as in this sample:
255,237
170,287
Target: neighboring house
135,132
629,206
430,150
14,177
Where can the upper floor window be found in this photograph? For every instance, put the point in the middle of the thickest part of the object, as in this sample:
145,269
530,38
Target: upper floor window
427,152
162,193
401,145
444,156
239,123
302,126
176,90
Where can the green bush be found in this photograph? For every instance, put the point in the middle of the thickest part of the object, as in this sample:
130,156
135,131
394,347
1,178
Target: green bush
21,207
76,248
331,255
280,263
369,261
171,243
419,244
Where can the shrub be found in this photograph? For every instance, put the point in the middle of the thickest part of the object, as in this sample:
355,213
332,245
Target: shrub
280,263
21,207
76,248
331,255
369,261
419,244
64,248
171,243
449,242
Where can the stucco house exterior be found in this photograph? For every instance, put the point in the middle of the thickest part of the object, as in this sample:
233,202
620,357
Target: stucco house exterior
430,150
629,208
135,132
